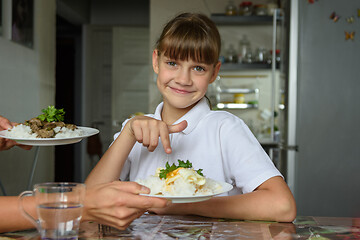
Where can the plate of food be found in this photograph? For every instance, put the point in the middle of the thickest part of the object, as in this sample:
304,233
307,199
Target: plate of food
48,129
183,184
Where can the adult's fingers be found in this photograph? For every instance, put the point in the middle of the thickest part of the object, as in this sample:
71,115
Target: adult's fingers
119,218
6,144
25,147
145,202
134,200
131,187
4,123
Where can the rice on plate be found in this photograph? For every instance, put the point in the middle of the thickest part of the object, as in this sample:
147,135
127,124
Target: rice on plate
180,180
50,124
23,131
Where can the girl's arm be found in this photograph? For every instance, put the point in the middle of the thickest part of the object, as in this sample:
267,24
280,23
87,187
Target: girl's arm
109,167
271,201
142,129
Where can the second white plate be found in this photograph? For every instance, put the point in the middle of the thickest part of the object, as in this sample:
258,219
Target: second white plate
87,132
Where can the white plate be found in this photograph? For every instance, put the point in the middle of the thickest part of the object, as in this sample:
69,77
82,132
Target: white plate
190,199
87,132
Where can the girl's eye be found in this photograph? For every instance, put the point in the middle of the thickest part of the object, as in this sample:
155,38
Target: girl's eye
199,69
173,64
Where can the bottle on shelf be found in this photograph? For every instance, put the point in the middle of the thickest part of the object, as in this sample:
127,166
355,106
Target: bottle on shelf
249,58
260,55
230,9
231,54
260,10
244,48
246,8
271,6
239,98
277,57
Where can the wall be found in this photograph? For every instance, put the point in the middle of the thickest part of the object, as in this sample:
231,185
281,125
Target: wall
27,79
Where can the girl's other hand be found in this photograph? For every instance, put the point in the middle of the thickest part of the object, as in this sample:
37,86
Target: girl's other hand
147,131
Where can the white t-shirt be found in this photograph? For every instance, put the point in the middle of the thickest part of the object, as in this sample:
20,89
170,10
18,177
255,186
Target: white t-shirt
218,142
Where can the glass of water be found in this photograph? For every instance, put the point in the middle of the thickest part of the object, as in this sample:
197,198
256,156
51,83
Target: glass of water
59,208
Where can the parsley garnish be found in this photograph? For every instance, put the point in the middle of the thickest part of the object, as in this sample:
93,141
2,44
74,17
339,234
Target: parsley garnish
51,114
163,172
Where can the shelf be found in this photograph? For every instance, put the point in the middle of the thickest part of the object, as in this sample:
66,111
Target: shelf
236,106
245,66
237,90
222,19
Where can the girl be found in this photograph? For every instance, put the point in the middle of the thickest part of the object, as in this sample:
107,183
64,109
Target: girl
186,62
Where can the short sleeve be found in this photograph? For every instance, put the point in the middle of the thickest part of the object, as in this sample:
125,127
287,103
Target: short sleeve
246,162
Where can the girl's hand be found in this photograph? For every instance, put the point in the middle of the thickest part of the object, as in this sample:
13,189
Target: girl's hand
147,131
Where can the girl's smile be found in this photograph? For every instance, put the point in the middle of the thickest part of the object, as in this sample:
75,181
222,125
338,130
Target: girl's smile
182,83
180,91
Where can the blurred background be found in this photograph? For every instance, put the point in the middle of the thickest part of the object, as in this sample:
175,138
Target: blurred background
289,70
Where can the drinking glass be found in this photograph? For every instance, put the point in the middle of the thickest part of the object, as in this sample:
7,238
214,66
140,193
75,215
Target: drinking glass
59,208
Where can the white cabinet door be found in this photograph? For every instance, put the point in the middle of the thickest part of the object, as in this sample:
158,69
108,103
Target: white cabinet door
130,73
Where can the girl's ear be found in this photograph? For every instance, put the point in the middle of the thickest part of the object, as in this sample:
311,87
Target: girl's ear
155,61
216,72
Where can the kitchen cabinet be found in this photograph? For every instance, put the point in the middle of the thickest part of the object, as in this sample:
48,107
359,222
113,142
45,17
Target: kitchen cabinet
258,84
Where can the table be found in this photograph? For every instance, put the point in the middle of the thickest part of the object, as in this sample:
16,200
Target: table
151,226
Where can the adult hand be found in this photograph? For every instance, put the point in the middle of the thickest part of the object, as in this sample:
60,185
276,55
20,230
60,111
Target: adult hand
6,144
4,123
117,204
147,131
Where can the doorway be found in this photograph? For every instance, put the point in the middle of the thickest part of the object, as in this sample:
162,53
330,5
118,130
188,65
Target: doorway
68,85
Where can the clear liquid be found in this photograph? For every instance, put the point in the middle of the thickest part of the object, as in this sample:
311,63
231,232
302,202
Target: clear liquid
59,220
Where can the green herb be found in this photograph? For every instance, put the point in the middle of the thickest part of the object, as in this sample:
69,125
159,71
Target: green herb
51,114
163,172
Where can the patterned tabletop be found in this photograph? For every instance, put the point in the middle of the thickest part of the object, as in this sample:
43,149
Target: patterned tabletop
151,226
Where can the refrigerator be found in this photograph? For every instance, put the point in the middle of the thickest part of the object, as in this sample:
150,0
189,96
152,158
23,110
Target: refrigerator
323,110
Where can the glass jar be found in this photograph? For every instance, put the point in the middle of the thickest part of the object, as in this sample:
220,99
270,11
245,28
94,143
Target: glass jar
231,54
277,57
271,7
246,9
260,55
260,10
248,57
230,9
239,98
244,47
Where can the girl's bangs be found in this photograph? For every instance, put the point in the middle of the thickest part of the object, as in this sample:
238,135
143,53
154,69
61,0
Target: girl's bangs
185,48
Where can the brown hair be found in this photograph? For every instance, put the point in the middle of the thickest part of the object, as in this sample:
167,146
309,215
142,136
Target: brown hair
190,35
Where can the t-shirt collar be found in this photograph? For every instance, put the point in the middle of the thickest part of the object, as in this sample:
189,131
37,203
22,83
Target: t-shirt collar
192,117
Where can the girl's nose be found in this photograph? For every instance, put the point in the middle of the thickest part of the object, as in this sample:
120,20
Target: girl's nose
183,77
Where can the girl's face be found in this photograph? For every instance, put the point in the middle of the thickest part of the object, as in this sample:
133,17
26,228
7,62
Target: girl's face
182,83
